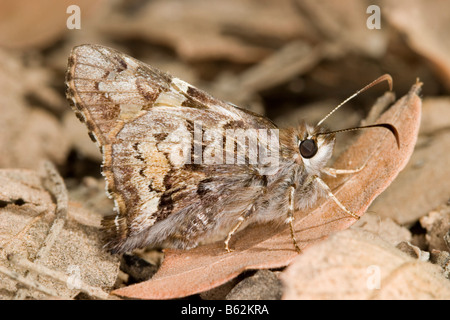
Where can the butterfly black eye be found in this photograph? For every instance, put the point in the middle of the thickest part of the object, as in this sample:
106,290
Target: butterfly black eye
308,148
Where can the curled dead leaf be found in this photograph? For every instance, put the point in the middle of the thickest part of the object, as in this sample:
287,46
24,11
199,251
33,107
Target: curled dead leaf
185,273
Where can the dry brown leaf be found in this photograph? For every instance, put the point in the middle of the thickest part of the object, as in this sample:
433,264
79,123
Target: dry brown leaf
356,264
187,272
201,30
41,248
27,135
425,27
424,184
385,228
344,23
437,224
290,61
25,208
22,24
76,133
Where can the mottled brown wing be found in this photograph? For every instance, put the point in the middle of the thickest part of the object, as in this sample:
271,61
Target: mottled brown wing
138,115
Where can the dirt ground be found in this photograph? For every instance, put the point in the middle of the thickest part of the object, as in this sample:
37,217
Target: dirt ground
289,60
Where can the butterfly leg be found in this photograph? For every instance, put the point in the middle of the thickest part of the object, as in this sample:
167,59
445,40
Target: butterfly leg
334,172
241,220
330,194
290,218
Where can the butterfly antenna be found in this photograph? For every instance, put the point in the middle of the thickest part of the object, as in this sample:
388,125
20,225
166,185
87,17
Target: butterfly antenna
385,77
388,126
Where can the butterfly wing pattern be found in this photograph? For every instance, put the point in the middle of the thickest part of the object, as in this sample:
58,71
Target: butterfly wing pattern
144,120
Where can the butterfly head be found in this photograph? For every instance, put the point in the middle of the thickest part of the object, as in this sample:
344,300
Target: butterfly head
315,144
314,148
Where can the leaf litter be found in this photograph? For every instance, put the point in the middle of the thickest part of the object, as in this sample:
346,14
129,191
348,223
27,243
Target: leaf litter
327,57
43,251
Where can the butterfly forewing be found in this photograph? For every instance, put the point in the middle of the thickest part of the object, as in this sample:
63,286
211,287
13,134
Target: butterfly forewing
145,122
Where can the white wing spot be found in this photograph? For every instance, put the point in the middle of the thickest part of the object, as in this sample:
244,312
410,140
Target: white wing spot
181,85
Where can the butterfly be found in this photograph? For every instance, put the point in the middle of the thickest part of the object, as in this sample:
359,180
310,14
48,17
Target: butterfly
185,168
